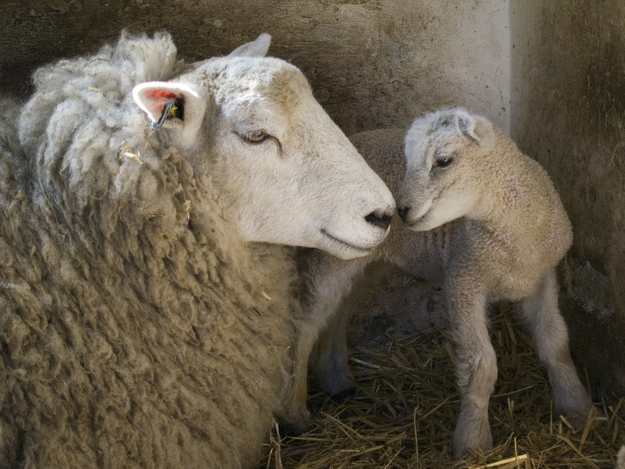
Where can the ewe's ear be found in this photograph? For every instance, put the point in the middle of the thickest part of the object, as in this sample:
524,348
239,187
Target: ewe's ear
474,127
257,48
186,114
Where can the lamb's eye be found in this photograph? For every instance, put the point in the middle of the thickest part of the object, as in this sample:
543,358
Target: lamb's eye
256,136
443,161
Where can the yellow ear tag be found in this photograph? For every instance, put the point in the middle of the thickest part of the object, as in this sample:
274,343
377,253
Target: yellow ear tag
166,110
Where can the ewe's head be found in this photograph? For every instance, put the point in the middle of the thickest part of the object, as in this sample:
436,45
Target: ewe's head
444,153
285,171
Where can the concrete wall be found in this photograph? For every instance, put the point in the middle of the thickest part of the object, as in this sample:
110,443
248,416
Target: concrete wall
372,63
568,111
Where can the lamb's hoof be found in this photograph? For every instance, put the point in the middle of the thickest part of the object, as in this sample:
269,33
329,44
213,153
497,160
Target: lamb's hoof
294,429
471,437
579,420
343,395
294,420
471,451
620,459
336,383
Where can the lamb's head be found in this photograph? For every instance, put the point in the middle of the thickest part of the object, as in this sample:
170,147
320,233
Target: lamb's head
286,172
444,153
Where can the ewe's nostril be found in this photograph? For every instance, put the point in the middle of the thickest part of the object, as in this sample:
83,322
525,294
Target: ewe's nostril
379,220
403,212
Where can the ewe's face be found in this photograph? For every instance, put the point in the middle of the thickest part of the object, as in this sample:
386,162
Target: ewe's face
289,174
440,183
286,172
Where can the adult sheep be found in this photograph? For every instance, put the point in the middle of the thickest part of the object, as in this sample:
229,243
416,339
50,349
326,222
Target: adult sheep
483,221
146,311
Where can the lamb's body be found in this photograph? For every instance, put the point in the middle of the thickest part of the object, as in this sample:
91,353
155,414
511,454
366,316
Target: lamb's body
496,230
139,326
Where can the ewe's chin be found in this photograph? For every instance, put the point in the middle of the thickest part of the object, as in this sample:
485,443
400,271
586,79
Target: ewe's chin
341,246
342,249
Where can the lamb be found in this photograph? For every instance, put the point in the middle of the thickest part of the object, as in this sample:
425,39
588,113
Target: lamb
620,459
483,221
147,305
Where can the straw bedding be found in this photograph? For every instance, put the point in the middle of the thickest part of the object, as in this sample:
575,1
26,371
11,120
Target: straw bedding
406,404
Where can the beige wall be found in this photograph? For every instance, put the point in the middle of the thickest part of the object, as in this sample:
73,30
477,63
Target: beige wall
372,63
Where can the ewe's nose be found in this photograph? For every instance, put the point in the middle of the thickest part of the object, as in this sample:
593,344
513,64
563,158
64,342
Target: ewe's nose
403,213
381,220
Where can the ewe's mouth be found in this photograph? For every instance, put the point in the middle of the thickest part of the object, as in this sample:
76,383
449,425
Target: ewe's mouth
343,244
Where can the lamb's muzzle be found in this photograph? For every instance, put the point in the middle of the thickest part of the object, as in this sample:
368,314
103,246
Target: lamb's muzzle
403,213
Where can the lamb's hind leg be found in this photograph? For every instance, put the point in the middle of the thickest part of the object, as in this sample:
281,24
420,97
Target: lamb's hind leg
552,342
328,280
476,371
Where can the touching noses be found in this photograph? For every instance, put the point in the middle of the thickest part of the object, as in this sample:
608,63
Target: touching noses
381,220
403,212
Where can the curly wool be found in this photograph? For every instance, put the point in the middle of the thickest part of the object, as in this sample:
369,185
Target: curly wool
137,329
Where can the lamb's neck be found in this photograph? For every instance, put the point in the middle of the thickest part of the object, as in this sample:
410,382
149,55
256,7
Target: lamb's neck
505,199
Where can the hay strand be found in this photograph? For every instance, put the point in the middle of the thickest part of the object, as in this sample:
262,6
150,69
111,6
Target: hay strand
406,405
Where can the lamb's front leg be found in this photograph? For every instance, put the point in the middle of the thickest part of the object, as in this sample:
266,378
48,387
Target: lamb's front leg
328,280
330,357
551,338
476,369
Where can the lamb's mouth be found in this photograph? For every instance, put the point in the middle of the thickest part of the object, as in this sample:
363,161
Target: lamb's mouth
421,223
422,215
419,220
344,244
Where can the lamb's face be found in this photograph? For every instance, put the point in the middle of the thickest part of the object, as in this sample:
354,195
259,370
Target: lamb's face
441,183
287,173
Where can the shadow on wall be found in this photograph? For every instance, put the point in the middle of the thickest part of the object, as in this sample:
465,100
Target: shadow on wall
371,63
568,107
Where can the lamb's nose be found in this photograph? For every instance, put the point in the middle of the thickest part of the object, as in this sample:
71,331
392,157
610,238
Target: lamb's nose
403,212
381,220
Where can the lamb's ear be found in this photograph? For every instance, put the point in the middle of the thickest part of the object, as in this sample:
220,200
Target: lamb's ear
474,127
257,48
410,143
172,105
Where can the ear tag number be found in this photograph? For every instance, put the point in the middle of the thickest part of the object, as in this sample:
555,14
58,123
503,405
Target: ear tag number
166,110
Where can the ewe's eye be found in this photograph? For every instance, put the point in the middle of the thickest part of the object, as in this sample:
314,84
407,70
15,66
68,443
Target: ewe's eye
443,161
256,136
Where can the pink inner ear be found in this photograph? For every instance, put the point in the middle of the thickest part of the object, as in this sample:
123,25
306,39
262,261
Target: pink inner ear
160,94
